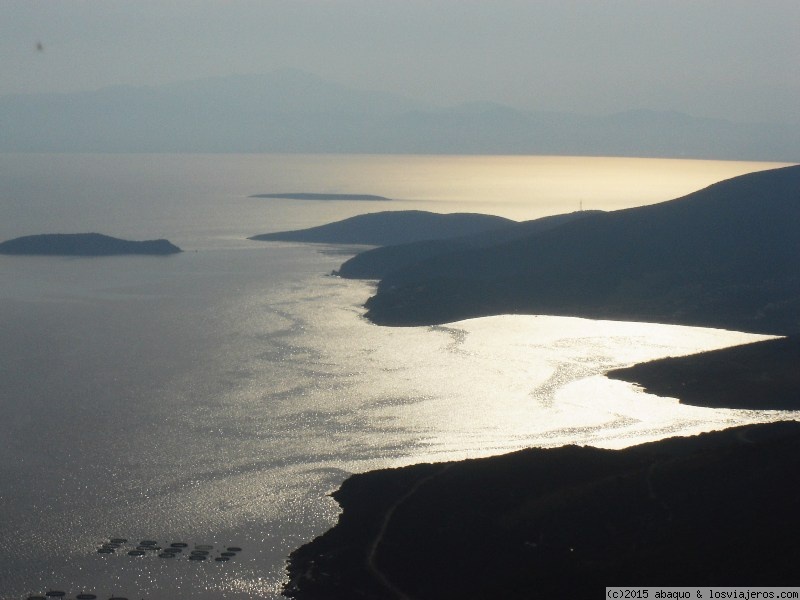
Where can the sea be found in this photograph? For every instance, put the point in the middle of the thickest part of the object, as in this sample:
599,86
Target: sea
214,398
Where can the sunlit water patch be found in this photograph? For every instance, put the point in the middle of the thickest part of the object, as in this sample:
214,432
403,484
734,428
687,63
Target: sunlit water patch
202,201
496,384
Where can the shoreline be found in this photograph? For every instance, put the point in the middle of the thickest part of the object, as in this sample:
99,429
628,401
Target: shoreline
759,376
564,522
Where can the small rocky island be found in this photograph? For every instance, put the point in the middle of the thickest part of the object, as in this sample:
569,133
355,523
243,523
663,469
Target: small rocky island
311,196
84,244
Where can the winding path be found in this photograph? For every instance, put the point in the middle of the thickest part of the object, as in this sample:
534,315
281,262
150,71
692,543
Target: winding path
387,517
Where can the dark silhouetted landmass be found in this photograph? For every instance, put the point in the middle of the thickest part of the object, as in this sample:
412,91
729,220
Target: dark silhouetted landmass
83,244
719,509
379,262
392,227
760,376
725,256
308,196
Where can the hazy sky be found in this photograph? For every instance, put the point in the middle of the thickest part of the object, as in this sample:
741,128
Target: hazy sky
737,59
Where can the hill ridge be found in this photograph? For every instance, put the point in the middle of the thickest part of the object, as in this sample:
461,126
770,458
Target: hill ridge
391,227
723,256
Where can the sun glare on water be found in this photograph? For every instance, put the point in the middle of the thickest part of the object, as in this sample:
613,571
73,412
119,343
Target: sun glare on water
490,385
498,384
529,187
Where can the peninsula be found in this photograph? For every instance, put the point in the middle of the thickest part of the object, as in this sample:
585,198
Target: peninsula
392,227
309,196
759,376
717,509
83,244
725,256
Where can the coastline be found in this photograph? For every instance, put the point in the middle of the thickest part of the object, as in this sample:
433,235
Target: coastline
565,522
758,376
713,509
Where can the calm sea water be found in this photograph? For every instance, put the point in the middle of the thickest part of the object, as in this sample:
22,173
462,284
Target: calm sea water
216,396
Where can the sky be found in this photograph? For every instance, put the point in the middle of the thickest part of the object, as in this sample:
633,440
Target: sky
732,59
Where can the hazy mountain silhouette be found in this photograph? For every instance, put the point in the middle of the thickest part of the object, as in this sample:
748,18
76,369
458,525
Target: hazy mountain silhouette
83,244
283,111
724,256
391,227
379,262
293,111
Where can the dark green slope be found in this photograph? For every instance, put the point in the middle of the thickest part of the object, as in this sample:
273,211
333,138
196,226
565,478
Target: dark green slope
724,256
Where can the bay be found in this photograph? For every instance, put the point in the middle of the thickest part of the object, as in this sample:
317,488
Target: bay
216,396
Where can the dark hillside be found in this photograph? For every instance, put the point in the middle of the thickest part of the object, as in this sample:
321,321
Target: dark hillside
718,509
392,227
760,376
725,256
380,262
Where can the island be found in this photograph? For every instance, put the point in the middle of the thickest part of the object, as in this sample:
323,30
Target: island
84,244
717,509
308,196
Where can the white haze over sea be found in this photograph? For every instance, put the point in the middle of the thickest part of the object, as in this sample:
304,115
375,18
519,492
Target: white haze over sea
216,396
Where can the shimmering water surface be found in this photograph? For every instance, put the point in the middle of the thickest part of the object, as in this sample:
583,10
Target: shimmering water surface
216,396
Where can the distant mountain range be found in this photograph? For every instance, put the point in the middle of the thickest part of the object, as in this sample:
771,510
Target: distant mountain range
292,111
725,256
